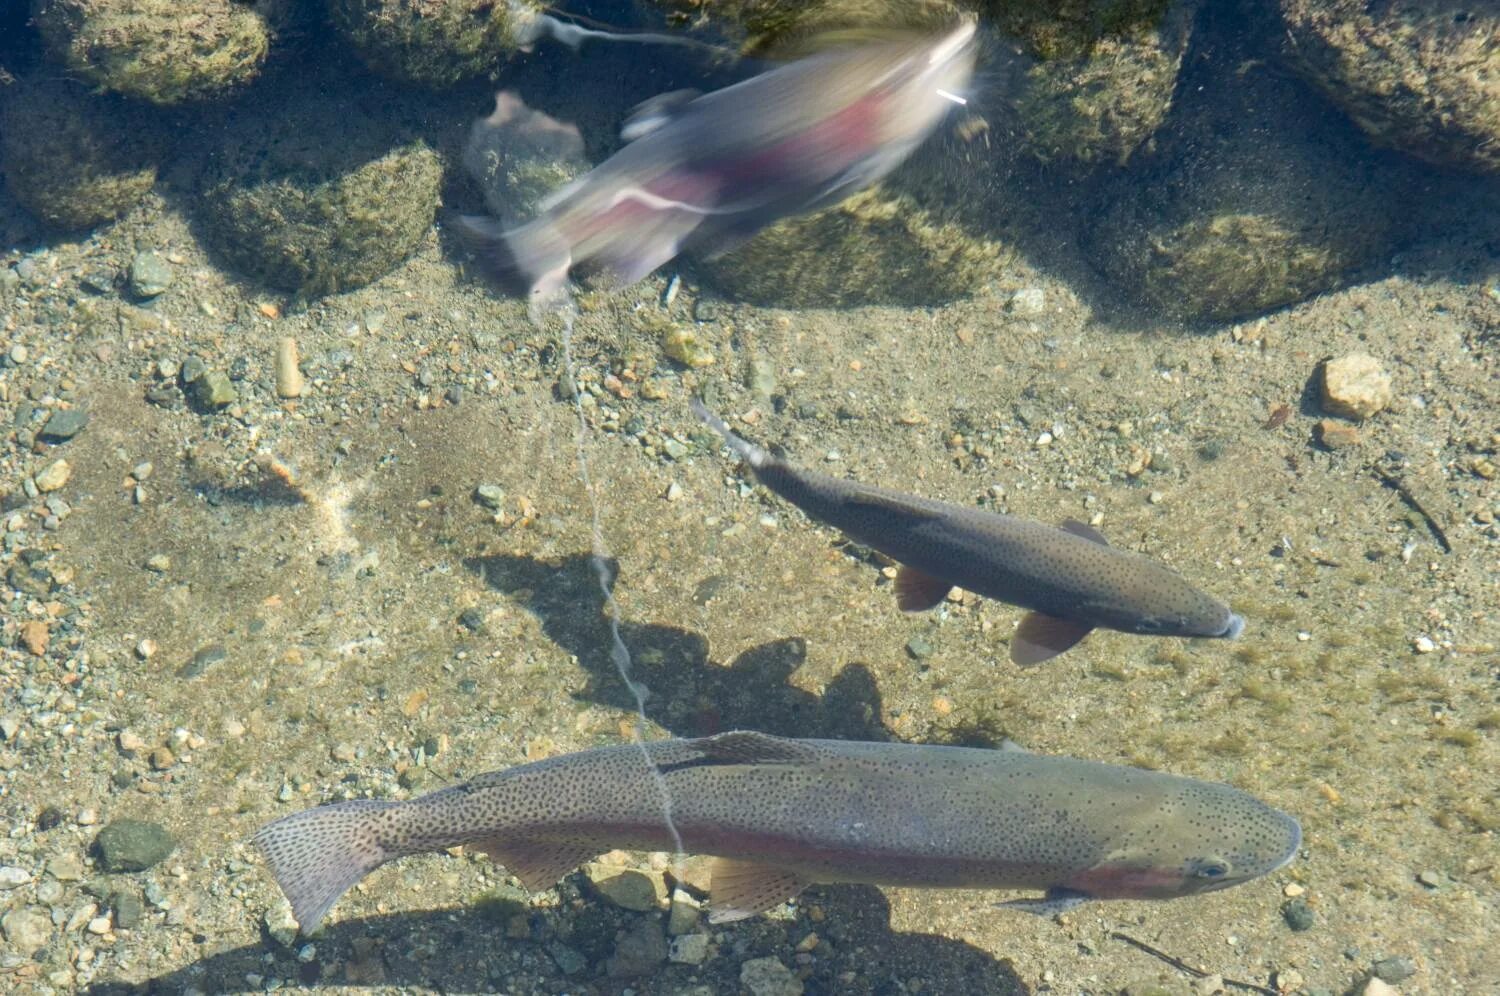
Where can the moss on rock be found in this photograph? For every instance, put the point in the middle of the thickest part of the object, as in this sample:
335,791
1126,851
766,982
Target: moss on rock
434,43
1422,78
1253,201
878,247
314,199
1103,104
162,51
74,159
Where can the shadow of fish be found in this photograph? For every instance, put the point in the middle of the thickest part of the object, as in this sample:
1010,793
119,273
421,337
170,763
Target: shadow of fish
708,172
780,814
1070,578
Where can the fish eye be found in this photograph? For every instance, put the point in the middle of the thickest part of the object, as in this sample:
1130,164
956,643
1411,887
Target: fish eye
1210,868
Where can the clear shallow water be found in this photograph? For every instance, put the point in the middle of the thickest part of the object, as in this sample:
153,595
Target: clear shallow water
381,632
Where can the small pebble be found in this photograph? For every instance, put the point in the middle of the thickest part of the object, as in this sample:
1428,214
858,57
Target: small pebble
1299,915
150,275
53,476
689,949
289,380
491,496
1355,386
1430,879
159,563
1424,645
1393,970
12,877
63,424
769,977
1336,435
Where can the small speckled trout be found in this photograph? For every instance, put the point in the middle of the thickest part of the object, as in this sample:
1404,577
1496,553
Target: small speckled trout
1070,578
780,814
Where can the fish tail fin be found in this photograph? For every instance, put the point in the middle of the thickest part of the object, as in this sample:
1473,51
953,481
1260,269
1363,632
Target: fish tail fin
533,258
746,450
318,854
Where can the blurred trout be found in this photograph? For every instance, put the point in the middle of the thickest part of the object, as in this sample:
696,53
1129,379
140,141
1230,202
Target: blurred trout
782,814
1070,578
707,172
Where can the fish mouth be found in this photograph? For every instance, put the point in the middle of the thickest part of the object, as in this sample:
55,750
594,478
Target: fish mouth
1234,627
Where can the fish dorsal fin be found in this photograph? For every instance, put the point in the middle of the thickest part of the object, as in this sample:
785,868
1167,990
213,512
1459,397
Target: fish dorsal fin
1058,900
653,112
740,889
917,591
749,747
1040,638
889,502
1083,529
537,863
1009,746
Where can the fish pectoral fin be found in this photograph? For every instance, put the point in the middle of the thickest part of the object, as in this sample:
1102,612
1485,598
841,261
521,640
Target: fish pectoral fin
653,112
1041,637
1057,900
1083,529
917,591
749,747
889,502
537,863
740,889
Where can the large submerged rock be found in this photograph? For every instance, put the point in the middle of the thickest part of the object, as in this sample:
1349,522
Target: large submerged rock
434,43
71,158
315,197
162,51
1420,77
1255,198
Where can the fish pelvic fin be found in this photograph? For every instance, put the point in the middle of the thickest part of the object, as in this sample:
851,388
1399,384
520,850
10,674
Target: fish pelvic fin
741,889
1042,637
318,854
917,591
747,451
533,259
537,863
1057,901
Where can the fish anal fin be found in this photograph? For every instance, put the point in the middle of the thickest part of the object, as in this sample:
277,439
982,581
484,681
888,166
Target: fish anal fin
749,747
888,501
917,591
539,864
741,889
1041,637
1057,901
1083,529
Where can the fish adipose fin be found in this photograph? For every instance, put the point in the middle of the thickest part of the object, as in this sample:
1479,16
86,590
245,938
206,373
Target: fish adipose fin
1040,638
1085,530
537,863
1056,901
918,592
741,889
749,747
318,854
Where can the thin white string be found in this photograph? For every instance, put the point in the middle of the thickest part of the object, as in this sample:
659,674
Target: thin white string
599,557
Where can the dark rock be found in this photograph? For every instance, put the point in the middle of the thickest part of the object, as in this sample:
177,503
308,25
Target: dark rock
63,425
1394,970
132,845
1299,915
642,948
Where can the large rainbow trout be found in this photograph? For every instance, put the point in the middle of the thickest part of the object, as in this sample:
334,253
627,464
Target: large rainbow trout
706,173
780,814
1069,576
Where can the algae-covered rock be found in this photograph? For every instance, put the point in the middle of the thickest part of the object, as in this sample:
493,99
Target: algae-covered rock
1254,200
781,26
71,158
432,42
163,51
1105,101
314,197
1420,77
878,247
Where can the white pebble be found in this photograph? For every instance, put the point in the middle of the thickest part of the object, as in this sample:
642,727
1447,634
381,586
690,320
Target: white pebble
99,925
1424,645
